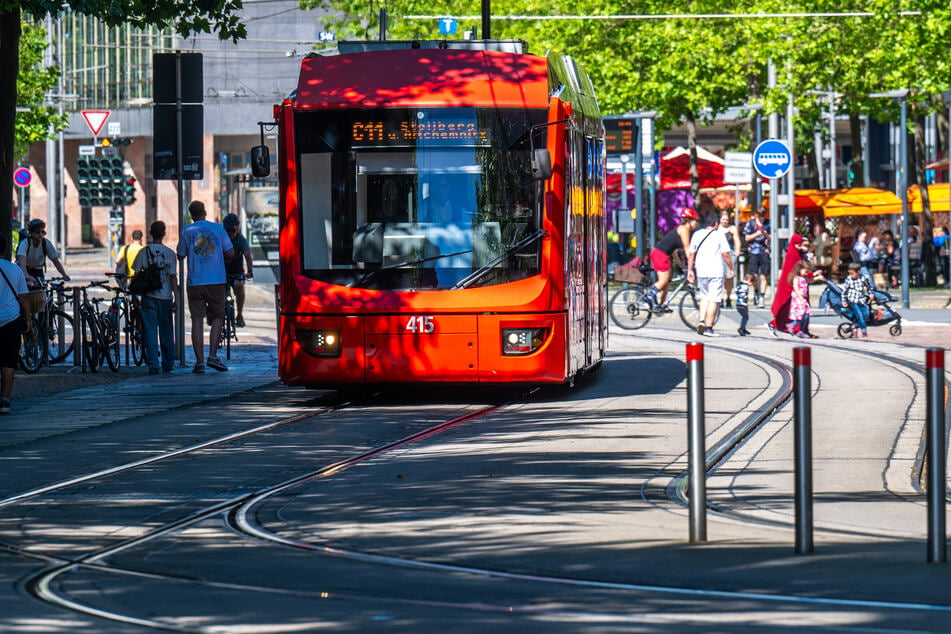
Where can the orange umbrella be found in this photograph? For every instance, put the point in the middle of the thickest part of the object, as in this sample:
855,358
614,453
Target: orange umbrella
938,194
859,201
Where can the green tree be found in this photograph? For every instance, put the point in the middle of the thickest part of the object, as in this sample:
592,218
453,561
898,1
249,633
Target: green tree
34,81
202,16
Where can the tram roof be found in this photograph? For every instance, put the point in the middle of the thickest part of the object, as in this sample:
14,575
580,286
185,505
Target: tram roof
423,78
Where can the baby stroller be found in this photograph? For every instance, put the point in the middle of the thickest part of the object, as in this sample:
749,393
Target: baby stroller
880,313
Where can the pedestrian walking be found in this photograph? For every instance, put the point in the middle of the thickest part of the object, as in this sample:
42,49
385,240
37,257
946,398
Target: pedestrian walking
708,263
756,233
796,252
205,245
14,319
857,295
799,307
126,257
743,301
732,234
33,252
158,306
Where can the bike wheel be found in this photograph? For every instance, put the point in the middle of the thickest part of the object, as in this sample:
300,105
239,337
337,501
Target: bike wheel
32,350
690,309
137,339
60,336
629,309
109,337
92,343
845,329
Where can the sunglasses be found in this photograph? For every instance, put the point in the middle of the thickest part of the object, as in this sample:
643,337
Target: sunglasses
41,232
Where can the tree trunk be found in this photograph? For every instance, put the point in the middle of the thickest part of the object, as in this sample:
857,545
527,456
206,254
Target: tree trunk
927,222
694,172
858,162
10,54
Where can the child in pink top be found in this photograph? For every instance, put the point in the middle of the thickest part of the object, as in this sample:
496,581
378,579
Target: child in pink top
799,309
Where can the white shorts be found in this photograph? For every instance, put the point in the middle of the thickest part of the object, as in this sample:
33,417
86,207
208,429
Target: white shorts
710,288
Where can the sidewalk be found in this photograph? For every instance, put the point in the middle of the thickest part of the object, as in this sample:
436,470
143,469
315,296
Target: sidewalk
253,362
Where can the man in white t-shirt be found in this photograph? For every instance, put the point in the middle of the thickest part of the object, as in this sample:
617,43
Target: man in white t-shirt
206,245
12,305
708,255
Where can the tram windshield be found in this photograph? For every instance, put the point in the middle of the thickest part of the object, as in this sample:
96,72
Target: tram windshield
418,199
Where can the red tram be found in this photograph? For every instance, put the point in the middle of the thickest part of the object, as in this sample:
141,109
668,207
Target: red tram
441,217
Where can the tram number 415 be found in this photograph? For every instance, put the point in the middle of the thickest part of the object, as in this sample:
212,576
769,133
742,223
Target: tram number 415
421,324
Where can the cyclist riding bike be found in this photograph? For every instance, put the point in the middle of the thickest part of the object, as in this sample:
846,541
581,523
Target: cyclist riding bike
661,254
234,267
33,252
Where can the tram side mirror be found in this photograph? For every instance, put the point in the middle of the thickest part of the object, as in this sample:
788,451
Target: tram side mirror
541,164
260,161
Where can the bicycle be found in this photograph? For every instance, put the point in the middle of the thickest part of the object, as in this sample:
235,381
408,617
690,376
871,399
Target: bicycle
630,309
229,330
50,340
124,309
99,334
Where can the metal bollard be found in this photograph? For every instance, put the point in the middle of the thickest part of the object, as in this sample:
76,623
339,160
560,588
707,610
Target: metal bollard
937,486
696,440
802,408
78,332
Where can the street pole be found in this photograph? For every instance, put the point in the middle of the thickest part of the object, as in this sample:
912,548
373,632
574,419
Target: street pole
903,186
623,209
791,177
773,192
180,167
638,191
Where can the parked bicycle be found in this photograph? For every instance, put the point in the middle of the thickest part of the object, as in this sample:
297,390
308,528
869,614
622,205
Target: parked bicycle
124,311
50,339
630,309
100,335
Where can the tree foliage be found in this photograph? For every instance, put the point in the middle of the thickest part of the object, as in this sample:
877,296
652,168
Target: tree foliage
34,81
185,16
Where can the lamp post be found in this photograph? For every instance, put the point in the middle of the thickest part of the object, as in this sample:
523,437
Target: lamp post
902,95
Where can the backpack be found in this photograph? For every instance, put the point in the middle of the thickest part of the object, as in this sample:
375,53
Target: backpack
148,279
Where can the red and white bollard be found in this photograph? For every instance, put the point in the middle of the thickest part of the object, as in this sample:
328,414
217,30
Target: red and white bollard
696,449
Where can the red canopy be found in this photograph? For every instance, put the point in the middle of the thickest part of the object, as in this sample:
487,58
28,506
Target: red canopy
675,169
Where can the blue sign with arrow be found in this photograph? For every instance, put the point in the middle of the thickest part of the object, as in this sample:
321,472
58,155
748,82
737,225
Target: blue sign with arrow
772,158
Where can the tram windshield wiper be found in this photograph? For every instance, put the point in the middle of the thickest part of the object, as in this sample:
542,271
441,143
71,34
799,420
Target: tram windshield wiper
369,275
491,264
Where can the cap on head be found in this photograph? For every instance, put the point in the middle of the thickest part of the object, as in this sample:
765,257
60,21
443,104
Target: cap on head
855,266
689,214
36,225
230,222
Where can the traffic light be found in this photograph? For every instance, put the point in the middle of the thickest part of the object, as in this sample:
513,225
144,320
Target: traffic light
122,141
89,182
113,180
128,196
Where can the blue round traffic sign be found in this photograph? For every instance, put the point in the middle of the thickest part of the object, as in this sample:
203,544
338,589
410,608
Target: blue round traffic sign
772,158
22,176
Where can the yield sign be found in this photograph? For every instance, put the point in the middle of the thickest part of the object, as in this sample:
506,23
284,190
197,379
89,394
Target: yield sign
95,119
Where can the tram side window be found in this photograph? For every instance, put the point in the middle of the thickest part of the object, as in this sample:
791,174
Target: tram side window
316,208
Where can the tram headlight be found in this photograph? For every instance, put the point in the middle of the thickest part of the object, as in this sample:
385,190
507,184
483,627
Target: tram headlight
520,341
320,343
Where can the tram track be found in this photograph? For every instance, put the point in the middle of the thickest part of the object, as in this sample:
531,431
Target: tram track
719,454
239,516
43,584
